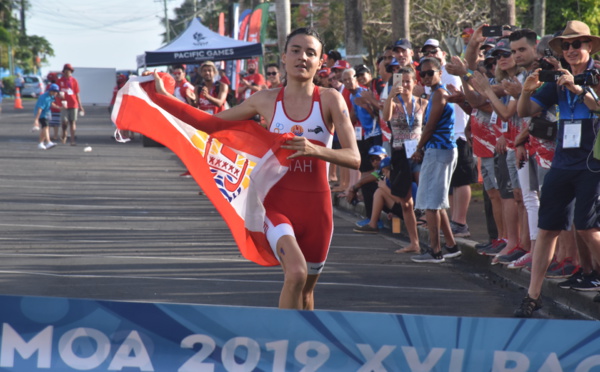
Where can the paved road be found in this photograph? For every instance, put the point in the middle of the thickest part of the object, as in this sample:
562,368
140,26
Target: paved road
119,223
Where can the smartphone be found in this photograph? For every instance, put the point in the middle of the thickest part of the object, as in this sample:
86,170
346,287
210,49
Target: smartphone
397,79
491,31
549,76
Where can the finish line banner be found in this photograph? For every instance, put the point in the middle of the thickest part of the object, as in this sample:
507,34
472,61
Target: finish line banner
59,334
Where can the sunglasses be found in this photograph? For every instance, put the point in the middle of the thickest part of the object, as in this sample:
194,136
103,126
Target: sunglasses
271,73
576,44
427,73
431,51
503,55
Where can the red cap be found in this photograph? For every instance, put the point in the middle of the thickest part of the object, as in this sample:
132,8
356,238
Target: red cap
341,65
324,72
68,66
468,31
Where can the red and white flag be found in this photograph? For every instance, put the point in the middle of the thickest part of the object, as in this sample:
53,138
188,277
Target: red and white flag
235,163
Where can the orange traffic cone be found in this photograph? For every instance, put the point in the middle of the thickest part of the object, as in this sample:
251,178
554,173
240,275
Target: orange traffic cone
18,103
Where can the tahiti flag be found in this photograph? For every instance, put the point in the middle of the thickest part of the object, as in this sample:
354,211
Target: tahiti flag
234,162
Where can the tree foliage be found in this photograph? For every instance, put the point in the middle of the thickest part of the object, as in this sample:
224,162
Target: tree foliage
207,10
28,51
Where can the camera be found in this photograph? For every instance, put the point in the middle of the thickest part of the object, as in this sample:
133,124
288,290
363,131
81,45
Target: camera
491,31
549,76
545,65
589,77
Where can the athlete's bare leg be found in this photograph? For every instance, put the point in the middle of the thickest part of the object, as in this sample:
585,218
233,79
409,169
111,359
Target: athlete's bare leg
295,273
308,293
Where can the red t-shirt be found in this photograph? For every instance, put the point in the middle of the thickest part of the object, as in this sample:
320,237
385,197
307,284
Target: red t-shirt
256,79
70,88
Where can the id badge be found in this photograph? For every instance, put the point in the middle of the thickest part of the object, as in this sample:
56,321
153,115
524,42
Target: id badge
504,126
358,132
572,134
493,118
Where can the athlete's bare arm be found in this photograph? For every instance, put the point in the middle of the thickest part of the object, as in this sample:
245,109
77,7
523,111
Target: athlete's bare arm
261,103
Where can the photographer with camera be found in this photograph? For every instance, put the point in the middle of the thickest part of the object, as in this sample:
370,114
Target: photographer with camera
572,186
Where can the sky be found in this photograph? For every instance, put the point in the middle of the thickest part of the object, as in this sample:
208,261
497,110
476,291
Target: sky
98,33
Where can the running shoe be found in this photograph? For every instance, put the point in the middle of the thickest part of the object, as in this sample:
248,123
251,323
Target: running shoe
573,279
521,262
451,252
366,229
528,306
564,270
428,257
512,255
485,247
460,230
363,222
50,145
495,248
588,283
41,146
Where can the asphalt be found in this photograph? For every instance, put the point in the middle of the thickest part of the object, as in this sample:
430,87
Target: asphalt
118,223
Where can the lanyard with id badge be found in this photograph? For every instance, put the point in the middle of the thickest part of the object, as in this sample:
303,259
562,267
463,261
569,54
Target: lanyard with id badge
572,128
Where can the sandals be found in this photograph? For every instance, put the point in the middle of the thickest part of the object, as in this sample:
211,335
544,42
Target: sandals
528,306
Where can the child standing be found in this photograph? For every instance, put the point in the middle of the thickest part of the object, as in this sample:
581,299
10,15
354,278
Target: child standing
42,116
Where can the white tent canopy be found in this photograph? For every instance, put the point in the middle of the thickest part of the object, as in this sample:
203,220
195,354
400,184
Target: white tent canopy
198,43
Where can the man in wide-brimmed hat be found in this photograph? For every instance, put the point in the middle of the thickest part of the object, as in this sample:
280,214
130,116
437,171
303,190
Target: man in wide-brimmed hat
571,189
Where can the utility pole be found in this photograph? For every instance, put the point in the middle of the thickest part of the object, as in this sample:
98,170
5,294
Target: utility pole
167,23
23,17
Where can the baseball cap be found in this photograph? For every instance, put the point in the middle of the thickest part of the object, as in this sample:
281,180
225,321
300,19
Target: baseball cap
490,41
385,162
54,88
361,69
403,43
488,55
431,42
68,66
377,150
502,45
323,72
467,32
341,65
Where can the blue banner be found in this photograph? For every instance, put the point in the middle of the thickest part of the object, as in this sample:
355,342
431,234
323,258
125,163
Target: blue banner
59,334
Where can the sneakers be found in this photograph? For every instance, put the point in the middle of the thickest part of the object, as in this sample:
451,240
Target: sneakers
366,229
521,262
459,230
528,306
573,279
588,283
428,257
41,146
450,252
50,145
565,269
512,255
492,250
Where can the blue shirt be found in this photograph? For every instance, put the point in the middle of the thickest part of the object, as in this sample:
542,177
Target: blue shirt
44,102
571,108
443,136
369,123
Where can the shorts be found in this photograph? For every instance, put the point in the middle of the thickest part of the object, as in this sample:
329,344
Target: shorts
402,175
68,114
466,168
488,173
286,214
511,164
570,195
434,180
55,119
363,147
503,178
43,122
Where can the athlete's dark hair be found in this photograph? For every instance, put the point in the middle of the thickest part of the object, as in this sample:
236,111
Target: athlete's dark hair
431,60
305,31
530,35
272,65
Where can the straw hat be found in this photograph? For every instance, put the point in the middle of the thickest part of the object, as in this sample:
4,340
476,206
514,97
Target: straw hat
209,64
573,30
